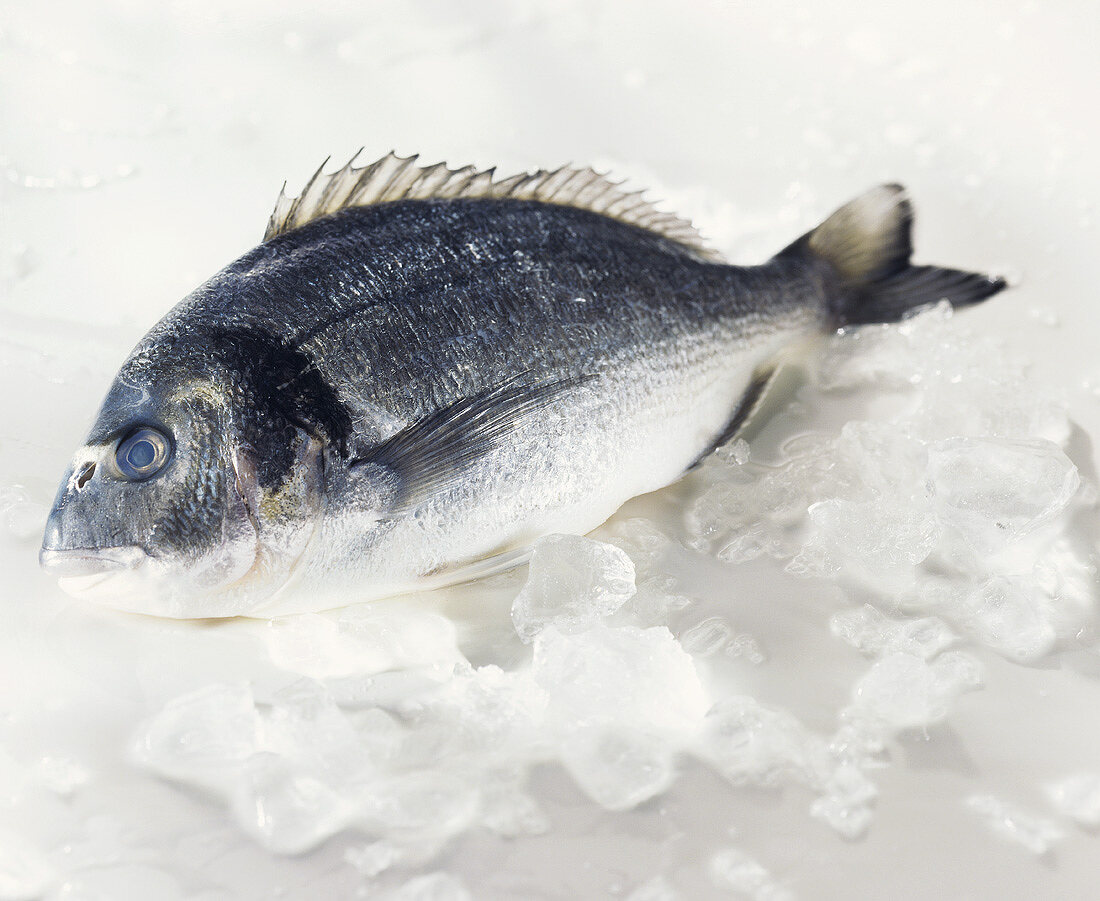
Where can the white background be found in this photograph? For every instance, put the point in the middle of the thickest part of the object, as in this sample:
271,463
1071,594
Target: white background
142,148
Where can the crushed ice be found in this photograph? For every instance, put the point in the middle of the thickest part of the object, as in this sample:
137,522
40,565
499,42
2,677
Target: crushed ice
939,521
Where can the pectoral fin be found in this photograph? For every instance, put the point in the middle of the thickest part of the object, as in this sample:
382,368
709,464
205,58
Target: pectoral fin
431,456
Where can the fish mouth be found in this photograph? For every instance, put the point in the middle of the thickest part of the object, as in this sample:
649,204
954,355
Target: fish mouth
90,561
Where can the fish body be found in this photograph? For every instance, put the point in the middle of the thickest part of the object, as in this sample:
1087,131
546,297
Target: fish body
406,381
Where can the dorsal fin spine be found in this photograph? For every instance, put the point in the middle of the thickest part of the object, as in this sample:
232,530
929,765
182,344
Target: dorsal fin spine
399,178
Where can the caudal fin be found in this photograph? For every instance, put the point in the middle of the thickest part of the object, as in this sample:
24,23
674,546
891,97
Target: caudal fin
868,242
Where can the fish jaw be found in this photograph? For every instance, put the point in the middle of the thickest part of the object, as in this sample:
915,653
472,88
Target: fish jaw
81,562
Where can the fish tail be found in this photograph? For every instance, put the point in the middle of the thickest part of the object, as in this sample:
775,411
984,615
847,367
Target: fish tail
867,243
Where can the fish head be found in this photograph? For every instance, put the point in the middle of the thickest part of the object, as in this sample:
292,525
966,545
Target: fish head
186,500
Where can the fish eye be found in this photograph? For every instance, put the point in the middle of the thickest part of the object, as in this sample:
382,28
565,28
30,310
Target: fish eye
142,454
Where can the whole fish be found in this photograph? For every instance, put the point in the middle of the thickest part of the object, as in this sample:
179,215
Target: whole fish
421,370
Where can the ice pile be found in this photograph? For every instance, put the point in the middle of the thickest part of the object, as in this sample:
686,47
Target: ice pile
912,684
945,509
953,503
612,703
947,506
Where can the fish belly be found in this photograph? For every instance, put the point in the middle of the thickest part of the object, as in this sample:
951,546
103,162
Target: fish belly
633,430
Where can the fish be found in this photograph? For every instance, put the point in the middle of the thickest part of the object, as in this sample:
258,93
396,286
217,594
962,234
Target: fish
421,370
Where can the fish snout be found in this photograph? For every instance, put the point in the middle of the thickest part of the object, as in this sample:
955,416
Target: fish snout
61,556
90,561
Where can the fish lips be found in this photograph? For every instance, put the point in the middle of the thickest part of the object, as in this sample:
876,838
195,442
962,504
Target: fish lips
91,561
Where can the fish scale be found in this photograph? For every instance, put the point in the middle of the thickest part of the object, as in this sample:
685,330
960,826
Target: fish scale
422,370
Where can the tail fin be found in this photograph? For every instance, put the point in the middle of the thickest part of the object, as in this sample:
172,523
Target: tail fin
868,243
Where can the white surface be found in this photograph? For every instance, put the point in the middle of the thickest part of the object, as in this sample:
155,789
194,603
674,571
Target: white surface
143,148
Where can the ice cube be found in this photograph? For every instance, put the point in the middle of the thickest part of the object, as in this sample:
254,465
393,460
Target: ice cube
507,810
643,542
61,775
375,858
707,636
850,820
1009,617
871,632
845,804
993,491
904,691
485,711
618,768
733,870
425,804
750,743
1035,833
286,809
653,604
1077,797
735,452
573,583
205,737
304,726
880,540
626,675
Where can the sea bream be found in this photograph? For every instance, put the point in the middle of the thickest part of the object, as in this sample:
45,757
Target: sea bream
421,370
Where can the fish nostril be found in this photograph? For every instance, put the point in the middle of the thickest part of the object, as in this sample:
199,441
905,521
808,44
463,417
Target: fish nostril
85,475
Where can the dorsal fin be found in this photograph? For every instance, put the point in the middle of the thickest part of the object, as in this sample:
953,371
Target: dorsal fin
400,178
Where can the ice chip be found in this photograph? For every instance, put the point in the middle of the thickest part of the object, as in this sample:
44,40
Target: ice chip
733,870
1077,797
750,743
643,542
618,768
375,858
735,452
485,711
871,632
881,539
707,637
845,818
509,811
1008,617
424,804
287,810
626,675
205,737
573,583
904,691
995,490
61,775
1035,833
845,805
